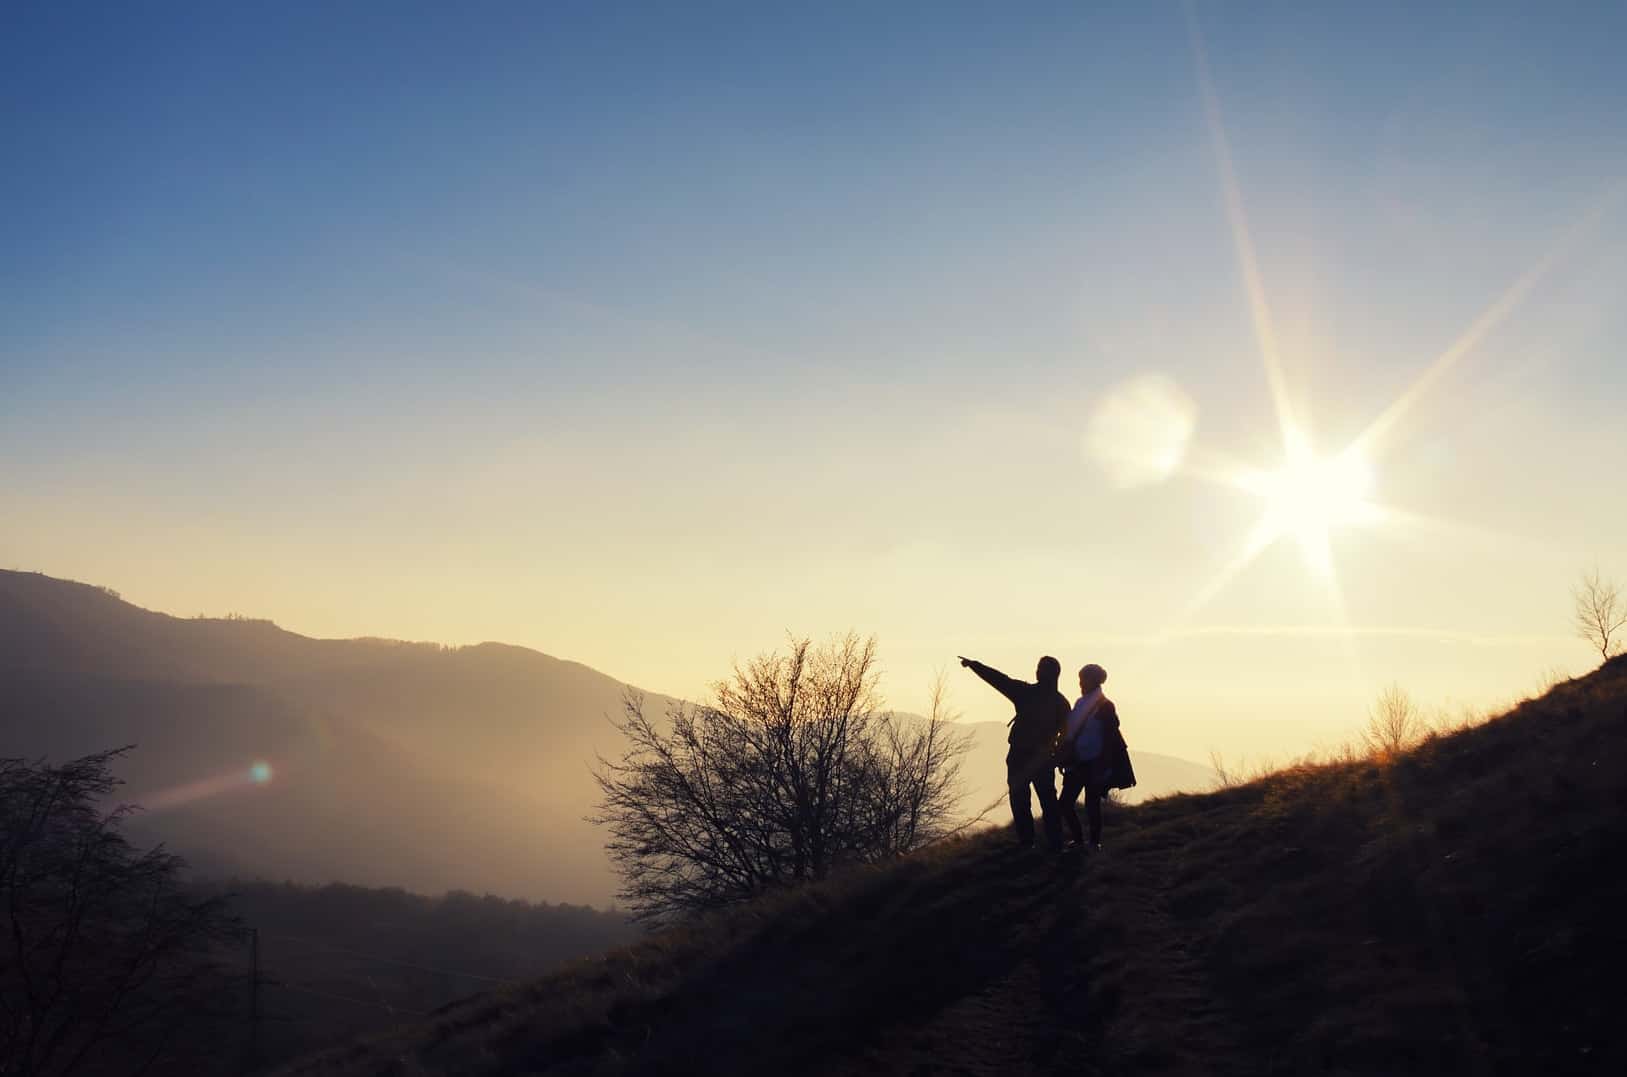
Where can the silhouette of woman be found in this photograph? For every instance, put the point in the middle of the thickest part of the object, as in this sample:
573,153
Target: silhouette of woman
1088,750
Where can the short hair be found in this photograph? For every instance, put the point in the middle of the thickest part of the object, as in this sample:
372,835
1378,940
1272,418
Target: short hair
1050,668
1093,673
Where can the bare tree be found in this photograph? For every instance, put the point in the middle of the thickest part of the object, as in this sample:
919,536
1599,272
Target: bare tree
912,776
1227,776
1394,724
105,959
1601,612
790,771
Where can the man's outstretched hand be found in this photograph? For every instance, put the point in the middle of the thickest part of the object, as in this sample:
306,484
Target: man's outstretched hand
965,663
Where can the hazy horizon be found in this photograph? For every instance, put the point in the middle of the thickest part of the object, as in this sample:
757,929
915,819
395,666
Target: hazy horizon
969,704
642,338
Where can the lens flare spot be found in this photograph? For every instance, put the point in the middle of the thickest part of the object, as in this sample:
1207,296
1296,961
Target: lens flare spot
238,779
1139,431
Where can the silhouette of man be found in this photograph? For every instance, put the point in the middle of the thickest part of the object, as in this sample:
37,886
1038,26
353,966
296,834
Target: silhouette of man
1042,715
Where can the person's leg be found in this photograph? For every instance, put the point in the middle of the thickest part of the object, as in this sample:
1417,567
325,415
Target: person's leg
1045,787
1073,783
1022,812
1093,809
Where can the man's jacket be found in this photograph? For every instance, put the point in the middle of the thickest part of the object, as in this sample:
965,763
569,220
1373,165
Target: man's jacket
1041,718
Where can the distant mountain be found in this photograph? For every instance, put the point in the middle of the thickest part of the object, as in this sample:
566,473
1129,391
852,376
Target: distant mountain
392,764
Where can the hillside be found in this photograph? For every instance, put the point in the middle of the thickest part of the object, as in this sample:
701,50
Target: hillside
341,961
1457,910
396,764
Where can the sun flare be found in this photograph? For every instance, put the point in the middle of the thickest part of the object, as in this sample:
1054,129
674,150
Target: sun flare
1311,496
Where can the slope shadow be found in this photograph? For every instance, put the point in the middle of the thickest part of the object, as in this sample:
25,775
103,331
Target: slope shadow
836,984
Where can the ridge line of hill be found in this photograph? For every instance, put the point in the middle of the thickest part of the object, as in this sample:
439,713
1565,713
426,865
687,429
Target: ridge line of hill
98,593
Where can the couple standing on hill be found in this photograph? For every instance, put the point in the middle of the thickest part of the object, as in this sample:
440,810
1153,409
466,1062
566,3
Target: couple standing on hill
1046,734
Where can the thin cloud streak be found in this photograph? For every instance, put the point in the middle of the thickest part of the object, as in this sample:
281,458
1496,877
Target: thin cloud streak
1478,639
1303,631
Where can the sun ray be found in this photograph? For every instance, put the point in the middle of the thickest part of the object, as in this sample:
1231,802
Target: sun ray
1248,264
1407,521
1264,533
1295,500
1370,439
1207,465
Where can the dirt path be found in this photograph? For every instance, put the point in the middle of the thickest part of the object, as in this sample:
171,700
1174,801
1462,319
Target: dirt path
1029,1015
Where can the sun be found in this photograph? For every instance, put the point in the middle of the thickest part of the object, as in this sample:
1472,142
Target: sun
1309,497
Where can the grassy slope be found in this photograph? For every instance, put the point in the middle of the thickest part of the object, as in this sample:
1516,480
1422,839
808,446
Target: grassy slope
1457,910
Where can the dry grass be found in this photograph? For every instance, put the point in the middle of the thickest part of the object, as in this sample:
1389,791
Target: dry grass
1454,909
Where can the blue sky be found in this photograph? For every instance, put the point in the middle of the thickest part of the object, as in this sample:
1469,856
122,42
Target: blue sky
666,310
198,173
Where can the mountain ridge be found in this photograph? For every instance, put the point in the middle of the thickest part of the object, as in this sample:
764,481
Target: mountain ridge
371,741
374,743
